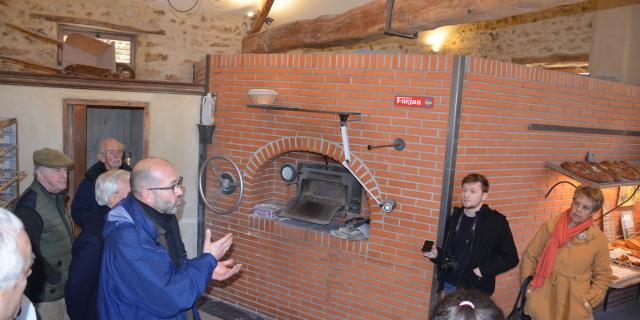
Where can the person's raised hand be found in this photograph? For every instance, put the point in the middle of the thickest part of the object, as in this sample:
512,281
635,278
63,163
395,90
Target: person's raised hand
225,270
219,248
431,254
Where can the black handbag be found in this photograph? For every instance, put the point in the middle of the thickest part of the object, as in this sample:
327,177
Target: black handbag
517,313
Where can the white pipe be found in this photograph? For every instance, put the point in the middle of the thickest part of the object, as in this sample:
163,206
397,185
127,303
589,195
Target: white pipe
345,142
207,108
346,165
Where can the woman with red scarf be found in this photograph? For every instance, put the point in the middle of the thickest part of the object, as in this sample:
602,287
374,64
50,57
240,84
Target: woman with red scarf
569,261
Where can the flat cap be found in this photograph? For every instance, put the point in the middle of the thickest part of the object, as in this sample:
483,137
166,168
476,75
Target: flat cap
51,158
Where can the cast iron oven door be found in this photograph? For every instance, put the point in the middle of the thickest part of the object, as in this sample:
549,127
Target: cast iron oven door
322,193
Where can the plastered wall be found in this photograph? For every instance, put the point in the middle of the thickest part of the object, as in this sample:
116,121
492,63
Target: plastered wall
188,37
565,30
172,132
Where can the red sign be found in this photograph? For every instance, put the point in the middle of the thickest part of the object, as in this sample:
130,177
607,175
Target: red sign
413,101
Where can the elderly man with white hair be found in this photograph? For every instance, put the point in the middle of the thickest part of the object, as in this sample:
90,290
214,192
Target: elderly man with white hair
84,272
15,267
84,206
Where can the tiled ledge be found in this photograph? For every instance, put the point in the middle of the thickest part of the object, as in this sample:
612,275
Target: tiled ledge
319,238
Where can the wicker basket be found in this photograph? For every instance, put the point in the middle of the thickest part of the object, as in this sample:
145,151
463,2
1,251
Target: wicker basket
263,96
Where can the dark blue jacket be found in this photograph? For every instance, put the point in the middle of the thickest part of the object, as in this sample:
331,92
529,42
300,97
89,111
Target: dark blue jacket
137,278
81,291
84,206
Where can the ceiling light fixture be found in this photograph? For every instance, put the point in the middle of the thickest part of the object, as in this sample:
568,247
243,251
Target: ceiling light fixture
435,38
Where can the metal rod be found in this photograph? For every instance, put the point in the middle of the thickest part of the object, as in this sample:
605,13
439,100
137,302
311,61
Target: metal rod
450,156
549,127
202,157
398,144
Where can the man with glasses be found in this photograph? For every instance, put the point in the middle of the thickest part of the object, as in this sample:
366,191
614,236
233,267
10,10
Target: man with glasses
85,208
145,272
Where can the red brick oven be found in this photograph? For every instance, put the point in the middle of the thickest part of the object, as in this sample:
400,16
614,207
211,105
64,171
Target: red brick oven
295,272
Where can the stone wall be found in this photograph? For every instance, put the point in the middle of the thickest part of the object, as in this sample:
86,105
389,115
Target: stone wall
188,37
549,35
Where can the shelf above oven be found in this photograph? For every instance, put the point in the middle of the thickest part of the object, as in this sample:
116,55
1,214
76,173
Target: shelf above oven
299,109
556,166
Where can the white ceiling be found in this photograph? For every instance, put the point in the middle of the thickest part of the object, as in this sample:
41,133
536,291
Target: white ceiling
282,11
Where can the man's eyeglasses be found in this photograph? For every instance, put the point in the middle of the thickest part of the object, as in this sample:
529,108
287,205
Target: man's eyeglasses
117,153
175,187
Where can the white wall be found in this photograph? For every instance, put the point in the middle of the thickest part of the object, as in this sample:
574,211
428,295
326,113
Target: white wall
172,133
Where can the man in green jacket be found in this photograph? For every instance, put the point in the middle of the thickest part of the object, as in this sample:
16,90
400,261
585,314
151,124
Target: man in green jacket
41,209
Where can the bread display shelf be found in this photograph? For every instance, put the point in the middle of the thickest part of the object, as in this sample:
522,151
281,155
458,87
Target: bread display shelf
6,199
556,166
8,177
5,148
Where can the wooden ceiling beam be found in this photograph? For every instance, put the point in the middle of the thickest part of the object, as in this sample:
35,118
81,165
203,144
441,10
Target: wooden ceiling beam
262,17
366,22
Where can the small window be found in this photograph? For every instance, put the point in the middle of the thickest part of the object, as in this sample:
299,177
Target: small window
124,43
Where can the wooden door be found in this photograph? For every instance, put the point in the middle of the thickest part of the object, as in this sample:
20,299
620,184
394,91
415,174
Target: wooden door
75,133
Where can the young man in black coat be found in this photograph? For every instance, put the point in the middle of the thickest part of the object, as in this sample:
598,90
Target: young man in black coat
478,244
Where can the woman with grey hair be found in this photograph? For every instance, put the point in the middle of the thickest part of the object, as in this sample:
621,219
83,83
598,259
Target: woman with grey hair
15,268
81,292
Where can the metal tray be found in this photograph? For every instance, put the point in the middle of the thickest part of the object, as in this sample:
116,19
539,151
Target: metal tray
556,166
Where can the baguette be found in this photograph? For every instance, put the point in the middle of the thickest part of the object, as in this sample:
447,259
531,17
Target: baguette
632,170
623,169
632,244
616,175
587,171
618,244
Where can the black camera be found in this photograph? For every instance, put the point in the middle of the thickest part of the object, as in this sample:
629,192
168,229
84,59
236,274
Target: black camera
449,263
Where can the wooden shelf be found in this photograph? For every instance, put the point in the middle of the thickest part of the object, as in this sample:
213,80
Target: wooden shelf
10,175
299,109
556,166
7,199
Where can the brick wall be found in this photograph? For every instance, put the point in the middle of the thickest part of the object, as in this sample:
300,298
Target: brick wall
499,101
297,273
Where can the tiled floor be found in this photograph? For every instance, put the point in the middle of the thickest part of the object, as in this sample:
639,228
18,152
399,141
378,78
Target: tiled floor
211,309
206,316
627,311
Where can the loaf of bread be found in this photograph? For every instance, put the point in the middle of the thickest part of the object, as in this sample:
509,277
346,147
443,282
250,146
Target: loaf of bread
632,244
587,171
623,169
632,169
618,244
615,175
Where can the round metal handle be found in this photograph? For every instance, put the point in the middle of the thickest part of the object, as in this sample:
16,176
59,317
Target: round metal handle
228,184
388,206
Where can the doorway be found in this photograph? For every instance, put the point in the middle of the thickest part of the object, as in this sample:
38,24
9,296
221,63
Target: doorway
88,122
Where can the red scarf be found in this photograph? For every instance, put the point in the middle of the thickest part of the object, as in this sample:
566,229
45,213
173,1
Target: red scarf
561,234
